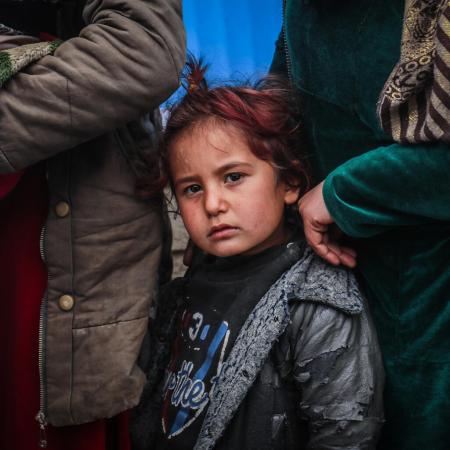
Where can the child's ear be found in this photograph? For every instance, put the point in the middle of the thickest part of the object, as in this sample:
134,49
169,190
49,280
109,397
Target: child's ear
291,194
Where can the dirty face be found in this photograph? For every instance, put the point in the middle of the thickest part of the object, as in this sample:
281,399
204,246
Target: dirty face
231,201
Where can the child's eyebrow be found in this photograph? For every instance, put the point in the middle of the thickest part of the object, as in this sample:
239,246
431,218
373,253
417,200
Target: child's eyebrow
232,165
188,179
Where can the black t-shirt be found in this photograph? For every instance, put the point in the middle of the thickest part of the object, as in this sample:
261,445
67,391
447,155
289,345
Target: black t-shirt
219,296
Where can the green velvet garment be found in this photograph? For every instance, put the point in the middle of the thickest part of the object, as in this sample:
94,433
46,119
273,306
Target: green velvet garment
393,199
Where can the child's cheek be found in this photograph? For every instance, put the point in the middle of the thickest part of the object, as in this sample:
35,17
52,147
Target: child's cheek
191,218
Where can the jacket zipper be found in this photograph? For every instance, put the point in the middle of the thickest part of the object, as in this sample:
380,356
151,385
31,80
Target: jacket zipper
41,416
286,48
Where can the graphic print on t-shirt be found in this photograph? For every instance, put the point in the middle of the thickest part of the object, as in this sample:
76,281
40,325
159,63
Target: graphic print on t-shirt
197,358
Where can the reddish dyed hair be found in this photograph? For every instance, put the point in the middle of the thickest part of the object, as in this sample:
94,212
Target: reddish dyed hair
265,114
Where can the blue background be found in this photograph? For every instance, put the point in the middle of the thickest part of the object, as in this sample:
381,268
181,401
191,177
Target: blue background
235,37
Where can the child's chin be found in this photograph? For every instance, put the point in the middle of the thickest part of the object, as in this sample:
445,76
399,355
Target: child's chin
224,252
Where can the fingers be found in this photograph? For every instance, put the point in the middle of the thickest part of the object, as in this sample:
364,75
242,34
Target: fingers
345,255
330,250
317,238
319,231
327,254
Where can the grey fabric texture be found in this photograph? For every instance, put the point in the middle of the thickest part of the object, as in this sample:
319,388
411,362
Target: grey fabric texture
326,345
333,294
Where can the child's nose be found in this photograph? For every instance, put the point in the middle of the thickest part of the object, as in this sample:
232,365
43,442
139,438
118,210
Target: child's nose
214,202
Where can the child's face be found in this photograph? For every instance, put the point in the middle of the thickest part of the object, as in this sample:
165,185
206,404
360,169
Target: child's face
231,201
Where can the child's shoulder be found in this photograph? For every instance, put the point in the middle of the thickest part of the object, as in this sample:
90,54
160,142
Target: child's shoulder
314,280
326,308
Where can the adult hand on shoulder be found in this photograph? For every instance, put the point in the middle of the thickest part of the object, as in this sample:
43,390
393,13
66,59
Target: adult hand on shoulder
318,227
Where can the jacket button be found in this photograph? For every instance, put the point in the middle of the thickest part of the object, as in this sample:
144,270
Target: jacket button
62,209
66,302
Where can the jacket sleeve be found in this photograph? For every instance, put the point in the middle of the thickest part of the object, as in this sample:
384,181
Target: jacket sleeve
125,62
340,375
389,187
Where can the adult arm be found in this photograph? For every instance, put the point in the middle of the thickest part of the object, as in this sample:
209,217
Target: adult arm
125,62
339,371
385,188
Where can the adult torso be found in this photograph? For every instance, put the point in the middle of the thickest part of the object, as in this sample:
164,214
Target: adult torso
342,52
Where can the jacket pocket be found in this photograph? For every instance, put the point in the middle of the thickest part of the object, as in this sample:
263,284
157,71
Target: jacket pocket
105,374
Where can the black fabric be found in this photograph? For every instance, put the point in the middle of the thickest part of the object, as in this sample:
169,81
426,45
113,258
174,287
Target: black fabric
268,418
30,17
220,293
60,18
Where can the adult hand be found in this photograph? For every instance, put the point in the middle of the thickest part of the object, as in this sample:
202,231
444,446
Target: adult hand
317,222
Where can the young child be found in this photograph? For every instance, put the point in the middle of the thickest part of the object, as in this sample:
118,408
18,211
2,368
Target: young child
261,345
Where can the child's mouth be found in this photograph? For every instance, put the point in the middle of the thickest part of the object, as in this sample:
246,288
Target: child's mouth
222,232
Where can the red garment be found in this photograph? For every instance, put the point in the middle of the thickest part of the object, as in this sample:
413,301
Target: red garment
23,278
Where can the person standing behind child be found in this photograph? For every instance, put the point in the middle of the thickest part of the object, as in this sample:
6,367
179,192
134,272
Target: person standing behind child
385,186
79,251
262,344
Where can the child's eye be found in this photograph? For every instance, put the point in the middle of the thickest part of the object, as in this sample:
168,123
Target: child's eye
234,177
192,189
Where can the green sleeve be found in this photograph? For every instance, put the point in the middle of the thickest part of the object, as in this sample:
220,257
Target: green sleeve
388,187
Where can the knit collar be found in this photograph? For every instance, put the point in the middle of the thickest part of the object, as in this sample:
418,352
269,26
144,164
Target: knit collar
15,59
